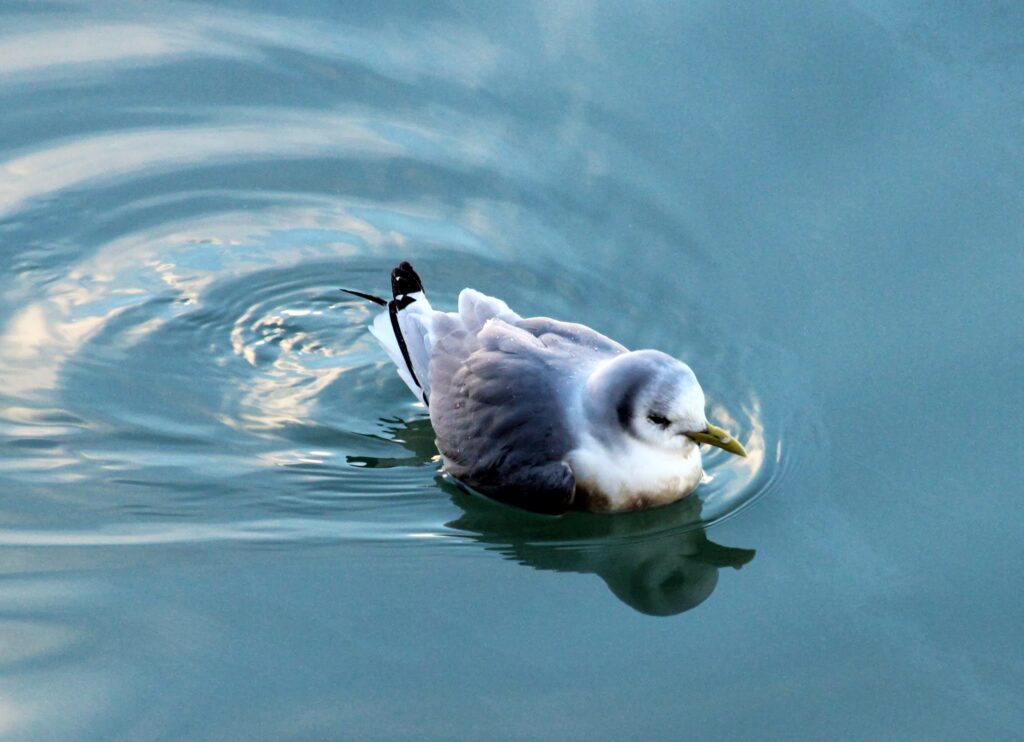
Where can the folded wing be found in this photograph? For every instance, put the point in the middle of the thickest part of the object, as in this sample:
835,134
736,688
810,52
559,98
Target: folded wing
500,398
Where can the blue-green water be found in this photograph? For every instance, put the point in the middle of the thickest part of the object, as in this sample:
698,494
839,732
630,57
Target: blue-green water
221,517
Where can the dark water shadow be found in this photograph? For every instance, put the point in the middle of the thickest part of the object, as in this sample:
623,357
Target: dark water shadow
659,562
416,436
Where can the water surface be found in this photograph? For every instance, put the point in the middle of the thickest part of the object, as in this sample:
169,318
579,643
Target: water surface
222,514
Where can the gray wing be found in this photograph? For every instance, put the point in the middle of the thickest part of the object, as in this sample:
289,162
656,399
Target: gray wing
576,342
498,411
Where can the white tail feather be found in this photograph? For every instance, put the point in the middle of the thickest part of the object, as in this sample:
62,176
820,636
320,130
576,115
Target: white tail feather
414,322
420,324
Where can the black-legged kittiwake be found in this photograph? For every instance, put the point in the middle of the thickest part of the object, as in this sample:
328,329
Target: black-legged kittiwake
546,415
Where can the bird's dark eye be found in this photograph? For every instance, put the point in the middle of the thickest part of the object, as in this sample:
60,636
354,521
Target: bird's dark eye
660,420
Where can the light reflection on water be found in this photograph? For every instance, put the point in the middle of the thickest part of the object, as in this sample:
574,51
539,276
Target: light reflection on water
282,358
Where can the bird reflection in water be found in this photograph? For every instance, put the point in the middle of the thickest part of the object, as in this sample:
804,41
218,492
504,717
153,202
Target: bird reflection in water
659,562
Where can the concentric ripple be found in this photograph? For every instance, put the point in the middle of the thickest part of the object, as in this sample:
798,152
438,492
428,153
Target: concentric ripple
176,354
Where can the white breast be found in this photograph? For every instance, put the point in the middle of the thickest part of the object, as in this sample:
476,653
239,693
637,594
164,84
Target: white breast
634,474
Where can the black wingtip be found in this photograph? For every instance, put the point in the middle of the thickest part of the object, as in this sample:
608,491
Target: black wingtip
368,297
404,280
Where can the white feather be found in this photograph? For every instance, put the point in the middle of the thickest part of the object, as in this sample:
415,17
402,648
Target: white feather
414,321
633,473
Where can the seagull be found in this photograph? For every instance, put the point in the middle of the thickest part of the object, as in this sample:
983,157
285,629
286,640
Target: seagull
544,415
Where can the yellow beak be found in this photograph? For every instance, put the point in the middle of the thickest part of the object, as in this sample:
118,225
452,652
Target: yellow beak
715,436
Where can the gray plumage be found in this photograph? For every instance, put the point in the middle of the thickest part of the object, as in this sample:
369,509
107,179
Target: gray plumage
500,391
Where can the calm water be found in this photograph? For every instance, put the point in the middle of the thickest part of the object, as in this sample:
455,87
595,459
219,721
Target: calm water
221,516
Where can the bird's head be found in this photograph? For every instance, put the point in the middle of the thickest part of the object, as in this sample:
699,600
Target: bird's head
652,397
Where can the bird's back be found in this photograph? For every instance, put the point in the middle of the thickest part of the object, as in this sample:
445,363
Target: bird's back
499,386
